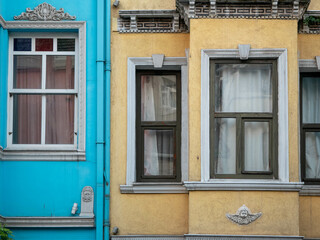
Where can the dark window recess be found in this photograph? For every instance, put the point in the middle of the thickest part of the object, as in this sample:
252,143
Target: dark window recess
44,44
243,119
310,127
66,44
158,126
22,44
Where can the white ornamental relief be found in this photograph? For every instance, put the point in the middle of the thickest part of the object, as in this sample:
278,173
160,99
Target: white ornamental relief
243,216
44,12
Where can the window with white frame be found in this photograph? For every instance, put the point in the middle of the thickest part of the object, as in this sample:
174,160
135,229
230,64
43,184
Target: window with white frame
225,152
43,92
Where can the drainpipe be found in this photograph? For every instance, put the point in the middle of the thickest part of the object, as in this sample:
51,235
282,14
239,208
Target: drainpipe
100,64
107,121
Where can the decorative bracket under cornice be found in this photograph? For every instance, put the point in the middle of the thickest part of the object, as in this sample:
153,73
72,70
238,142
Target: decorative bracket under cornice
144,21
268,9
44,12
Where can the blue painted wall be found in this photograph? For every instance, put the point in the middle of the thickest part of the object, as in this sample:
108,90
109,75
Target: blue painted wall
46,188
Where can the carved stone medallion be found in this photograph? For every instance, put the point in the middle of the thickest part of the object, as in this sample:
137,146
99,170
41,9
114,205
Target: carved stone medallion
44,12
87,197
243,216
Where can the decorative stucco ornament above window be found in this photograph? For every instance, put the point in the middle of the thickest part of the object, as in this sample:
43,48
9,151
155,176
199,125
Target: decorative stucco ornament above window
44,12
243,216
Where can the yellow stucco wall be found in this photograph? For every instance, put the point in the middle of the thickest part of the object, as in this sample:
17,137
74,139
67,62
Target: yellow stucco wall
198,212
314,5
140,213
310,216
227,34
308,46
280,215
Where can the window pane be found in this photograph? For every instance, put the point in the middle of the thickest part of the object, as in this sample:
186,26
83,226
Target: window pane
65,44
225,145
312,154
256,150
310,99
243,88
27,72
59,119
159,152
26,119
44,44
60,72
22,44
158,98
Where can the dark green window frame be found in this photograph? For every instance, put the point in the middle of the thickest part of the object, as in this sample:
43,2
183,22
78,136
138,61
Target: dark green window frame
157,125
304,128
241,118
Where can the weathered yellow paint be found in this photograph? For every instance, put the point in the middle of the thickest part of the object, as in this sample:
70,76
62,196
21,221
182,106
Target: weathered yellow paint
199,212
141,213
149,213
227,34
280,215
310,216
308,46
314,5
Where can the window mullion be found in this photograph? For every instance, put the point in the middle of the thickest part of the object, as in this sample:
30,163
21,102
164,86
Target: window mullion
43,105
239,144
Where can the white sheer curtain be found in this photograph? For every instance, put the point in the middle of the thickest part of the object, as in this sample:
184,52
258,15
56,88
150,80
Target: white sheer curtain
311,114
242,88
158,103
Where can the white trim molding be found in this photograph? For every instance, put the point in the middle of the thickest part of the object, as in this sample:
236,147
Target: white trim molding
283,154
48,222
146,63
78,155
310,190
21,155
243,185
238,237
153,188
308,65
205,237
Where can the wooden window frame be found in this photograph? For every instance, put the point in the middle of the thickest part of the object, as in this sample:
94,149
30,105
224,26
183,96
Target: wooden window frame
241,118
156,125
304,128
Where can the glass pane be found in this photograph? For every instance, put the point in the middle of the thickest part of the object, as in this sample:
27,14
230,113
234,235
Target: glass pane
66,44
44,44
225,145
60,72
26,119
60,119
22,44
27,72
312,154
310,99
159,152
158,98
243,88
256,150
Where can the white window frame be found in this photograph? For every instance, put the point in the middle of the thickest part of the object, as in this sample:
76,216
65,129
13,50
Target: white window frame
57,152
146,63
283,152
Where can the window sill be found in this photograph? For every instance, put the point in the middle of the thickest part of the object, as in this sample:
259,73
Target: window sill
153,188
46,222
244,185
41,155
310,190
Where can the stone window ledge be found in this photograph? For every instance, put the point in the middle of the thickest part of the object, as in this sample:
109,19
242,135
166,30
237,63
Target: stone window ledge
153,188
16,222
42,155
